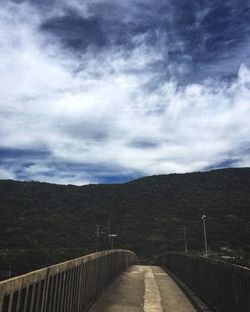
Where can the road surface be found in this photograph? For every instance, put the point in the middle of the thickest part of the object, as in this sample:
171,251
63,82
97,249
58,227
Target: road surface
143,289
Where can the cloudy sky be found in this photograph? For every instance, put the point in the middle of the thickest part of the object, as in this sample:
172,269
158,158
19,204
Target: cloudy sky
105,91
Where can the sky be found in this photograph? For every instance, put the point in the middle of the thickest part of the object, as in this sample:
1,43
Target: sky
106,91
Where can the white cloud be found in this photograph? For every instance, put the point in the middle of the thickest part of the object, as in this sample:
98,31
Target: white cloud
92,116
6,174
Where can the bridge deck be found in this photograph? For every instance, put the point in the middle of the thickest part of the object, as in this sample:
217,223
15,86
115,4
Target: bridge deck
143,288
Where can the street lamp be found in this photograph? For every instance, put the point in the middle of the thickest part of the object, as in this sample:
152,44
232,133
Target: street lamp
205,234
112,239
97,236
185,239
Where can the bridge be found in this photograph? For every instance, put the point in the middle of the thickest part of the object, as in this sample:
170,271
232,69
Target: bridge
113,281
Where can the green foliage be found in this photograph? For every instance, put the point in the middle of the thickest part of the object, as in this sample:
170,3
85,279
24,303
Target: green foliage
47,223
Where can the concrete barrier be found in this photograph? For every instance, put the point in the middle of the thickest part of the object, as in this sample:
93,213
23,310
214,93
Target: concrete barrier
66,287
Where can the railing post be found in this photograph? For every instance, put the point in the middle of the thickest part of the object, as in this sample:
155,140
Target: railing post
45,291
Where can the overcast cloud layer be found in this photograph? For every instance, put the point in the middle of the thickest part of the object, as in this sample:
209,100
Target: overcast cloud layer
106,91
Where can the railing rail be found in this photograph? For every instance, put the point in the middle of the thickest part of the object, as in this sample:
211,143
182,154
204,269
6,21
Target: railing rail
70,286
224,286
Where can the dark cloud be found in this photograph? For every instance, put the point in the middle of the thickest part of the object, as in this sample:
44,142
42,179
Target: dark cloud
193,34
14,153
76,32
226,163
233,158
31,165
93,130
144,144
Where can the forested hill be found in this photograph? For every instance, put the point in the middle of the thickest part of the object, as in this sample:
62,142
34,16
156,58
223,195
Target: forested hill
148,214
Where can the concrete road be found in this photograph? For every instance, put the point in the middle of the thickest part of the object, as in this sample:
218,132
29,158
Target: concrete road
143,288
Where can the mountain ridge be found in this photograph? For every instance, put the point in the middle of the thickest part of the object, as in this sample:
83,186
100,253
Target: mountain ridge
133,180
148,214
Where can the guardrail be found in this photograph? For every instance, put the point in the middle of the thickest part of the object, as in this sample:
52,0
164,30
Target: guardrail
66,287
225,287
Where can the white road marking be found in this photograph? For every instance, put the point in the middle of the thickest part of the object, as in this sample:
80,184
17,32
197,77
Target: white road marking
161,274
152,298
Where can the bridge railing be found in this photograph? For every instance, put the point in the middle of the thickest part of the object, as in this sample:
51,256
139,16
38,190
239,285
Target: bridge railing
66,287
224,286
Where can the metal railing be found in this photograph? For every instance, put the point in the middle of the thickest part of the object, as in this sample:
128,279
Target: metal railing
70,286
224,286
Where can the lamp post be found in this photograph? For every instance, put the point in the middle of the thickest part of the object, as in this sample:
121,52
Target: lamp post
185,239
205,234
112,239
97,236
108,231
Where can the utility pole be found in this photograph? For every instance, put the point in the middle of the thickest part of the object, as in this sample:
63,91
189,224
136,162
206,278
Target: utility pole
108,231
185,239
205,233
112,239
97,236
10,271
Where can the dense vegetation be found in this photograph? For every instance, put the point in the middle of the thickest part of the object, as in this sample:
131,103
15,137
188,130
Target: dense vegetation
43,223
